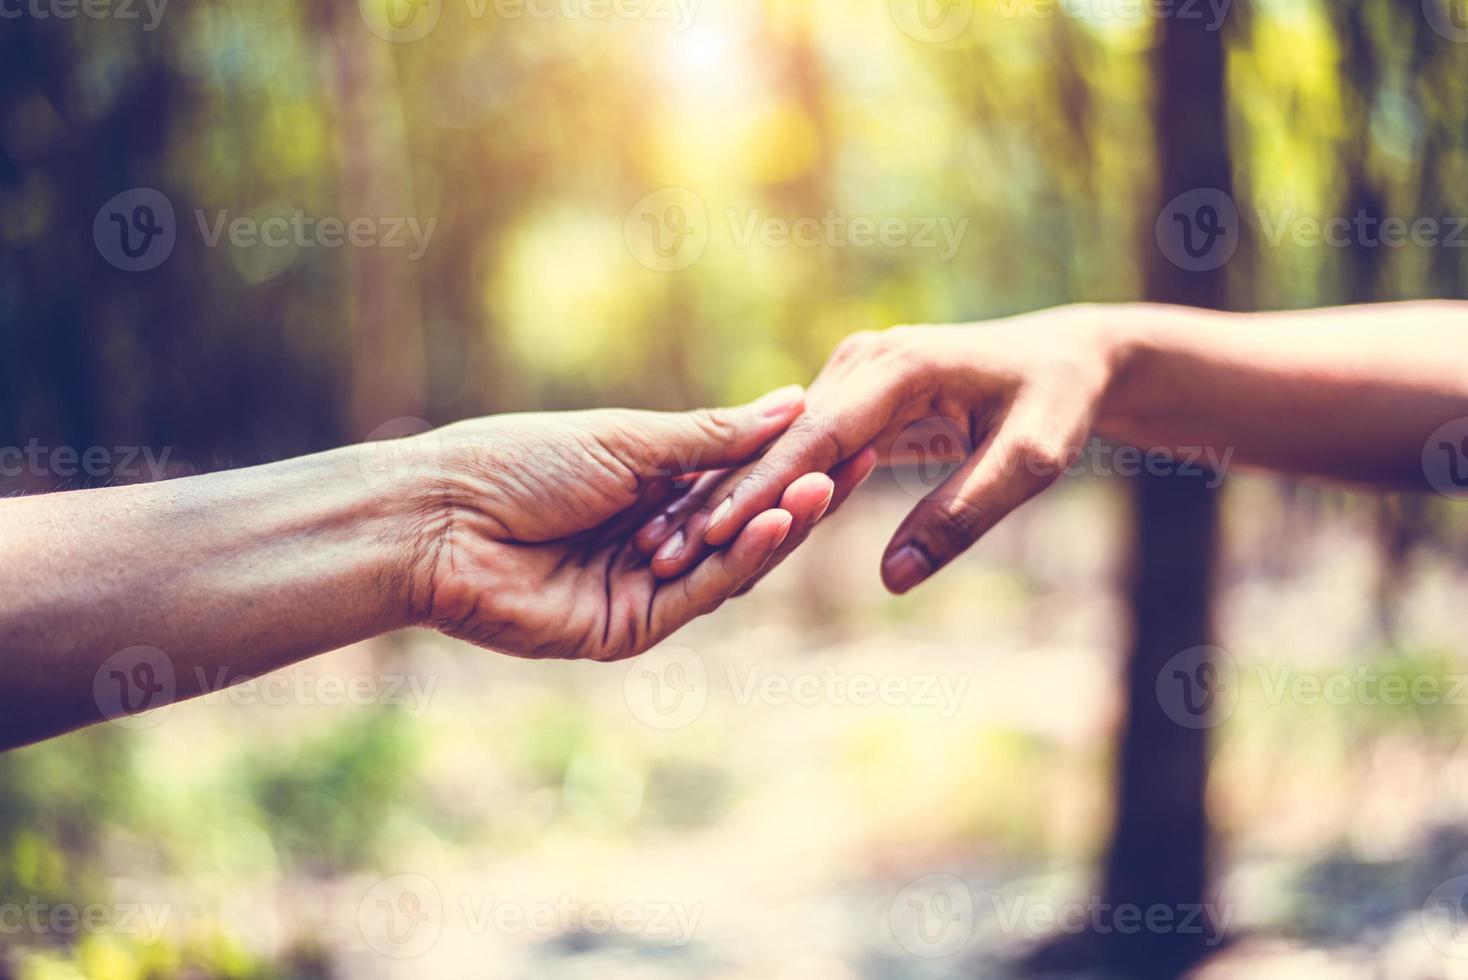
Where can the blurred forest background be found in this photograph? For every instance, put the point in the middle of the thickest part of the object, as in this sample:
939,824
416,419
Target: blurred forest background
585,181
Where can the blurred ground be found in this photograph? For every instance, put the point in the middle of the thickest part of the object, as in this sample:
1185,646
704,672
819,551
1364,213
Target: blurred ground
778,793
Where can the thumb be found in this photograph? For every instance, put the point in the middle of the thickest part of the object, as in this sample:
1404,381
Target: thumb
674,443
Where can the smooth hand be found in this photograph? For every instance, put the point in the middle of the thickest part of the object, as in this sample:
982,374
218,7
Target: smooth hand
1020,396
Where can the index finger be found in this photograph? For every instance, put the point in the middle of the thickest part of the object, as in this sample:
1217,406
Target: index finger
844,422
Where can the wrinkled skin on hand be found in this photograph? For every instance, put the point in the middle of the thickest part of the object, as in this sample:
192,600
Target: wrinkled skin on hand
533,516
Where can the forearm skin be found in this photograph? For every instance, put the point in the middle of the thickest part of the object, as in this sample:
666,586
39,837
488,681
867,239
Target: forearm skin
232,574
1351,393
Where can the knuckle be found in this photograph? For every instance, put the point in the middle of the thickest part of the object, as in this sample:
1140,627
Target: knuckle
716,423
818,439
854,344
1037,460
958,524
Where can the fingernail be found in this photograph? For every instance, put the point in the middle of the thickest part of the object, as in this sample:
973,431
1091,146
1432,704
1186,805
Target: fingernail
656,527
673,549
825,505
785,527
906,568
720,514
780,402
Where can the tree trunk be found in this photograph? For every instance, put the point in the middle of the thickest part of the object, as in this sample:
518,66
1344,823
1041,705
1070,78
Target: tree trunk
1160,842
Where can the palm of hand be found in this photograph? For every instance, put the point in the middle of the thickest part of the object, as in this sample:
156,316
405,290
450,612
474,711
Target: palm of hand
537,559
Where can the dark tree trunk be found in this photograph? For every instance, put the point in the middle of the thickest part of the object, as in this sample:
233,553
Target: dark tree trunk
1159,846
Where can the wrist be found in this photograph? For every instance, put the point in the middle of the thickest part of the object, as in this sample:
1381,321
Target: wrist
1127,335
405,483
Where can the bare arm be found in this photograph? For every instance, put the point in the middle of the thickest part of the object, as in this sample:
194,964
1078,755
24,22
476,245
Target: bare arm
1350,394
510,532
247,570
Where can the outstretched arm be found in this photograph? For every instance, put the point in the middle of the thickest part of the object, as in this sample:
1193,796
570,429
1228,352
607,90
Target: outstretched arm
512,532
1352,394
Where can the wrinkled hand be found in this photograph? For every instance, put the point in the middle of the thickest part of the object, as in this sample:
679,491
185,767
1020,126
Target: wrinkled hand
530,535
1018,397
